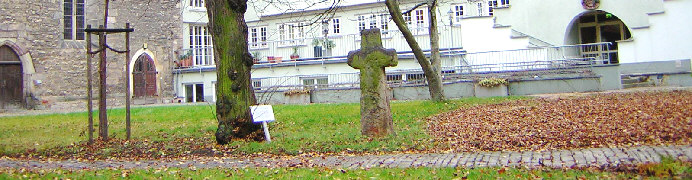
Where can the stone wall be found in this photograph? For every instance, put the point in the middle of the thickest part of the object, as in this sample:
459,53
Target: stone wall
60,65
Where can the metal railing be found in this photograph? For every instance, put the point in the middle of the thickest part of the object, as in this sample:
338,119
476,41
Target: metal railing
274,52
469,66
539,58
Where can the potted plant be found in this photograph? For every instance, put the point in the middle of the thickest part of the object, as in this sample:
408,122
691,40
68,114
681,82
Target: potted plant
488,87
317,47
256,57
320,45
295,55
185,60
329,45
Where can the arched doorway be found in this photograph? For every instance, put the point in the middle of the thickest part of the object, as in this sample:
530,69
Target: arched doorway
11,79
144,76
597,27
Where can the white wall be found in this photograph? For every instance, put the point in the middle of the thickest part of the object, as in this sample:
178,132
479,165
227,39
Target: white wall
668,37
550,20
659,29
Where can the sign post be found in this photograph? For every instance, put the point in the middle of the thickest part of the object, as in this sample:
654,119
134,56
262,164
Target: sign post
263,114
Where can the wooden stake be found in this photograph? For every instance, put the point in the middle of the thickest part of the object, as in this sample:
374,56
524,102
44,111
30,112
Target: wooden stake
89,91
127,80
103,117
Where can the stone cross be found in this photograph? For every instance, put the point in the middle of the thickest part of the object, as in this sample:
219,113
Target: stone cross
375,113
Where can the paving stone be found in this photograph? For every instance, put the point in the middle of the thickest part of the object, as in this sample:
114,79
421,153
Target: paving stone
464,158
481,160
514,159
589,157
662,152
579,159
454,162
471,161
687,153
503,159
611,157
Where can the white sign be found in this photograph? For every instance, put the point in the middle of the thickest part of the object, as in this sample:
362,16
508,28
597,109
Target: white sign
262,113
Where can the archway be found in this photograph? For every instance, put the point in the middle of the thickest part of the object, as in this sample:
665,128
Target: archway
144,76
598,27
11,79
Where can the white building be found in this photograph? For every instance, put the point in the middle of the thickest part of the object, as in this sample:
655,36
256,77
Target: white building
647,37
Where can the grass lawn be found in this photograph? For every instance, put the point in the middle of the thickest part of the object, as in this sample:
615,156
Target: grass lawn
668,169
299,128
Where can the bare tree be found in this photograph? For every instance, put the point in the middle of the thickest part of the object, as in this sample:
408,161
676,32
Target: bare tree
431,68
234,91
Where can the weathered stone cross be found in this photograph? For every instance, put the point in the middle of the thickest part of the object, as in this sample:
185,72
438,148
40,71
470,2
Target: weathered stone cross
375,113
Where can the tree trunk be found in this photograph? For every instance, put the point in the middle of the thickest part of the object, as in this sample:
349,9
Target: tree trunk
431,68
234,92
435,80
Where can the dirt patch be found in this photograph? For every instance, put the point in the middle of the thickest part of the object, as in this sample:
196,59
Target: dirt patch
588,121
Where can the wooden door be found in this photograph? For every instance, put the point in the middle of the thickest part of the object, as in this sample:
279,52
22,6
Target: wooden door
144,77
11,80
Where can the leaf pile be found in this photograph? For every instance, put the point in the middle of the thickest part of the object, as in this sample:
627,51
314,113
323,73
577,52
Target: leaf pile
603,120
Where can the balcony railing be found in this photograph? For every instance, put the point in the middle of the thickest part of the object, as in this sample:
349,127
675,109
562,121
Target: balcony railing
535,58
468,66
274,52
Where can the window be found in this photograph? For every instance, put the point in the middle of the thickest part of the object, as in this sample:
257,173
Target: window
336,26
415,78
407,18
263,36
194,93
373,21
254,37
419,25
73,19
384,27
419,18
480,9
361,23
197,3
315,82
491,4
504,3
458,13
394,78
292,34
258,37
257,84
201,46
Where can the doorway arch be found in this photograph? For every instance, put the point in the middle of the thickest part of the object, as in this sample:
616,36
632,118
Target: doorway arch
144,77
11,79
598,27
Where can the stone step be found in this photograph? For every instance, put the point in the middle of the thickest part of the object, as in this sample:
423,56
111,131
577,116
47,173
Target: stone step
143,101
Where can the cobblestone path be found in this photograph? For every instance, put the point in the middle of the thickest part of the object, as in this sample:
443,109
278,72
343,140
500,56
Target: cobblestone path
595,157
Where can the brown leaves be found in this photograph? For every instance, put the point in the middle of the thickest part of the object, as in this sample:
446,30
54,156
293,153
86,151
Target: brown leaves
603,120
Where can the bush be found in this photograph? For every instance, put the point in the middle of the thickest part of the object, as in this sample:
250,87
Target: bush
493,82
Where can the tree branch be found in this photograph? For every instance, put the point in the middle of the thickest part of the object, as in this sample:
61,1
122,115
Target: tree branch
414,7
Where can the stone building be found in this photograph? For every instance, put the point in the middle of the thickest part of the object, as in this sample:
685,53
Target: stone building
43,49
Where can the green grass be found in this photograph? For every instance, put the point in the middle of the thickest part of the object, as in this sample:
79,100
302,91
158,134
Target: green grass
299,128
674,170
